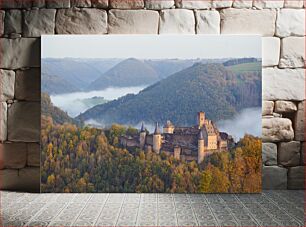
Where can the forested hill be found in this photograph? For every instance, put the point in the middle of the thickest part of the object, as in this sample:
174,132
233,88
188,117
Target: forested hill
58,116
213,88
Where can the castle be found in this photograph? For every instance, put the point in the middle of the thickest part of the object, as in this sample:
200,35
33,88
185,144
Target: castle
185,143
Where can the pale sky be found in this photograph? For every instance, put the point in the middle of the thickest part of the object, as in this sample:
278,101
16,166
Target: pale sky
151,46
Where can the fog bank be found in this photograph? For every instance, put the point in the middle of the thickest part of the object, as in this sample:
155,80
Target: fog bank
248,121
71,103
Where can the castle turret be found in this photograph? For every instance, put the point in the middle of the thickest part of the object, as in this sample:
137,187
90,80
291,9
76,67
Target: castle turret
201,119
201,148
142,136
156,139
168,128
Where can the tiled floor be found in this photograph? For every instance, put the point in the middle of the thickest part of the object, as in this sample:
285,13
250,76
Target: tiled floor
271,208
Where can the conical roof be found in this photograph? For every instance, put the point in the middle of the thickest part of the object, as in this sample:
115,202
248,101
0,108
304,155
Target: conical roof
142,127
157,131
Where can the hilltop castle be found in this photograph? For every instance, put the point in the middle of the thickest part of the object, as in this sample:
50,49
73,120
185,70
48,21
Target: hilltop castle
185,143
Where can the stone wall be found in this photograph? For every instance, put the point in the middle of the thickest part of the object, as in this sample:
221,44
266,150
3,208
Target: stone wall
280,22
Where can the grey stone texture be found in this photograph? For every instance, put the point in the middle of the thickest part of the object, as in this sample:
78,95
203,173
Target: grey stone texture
303,153
296,177
277,129
248,21
100,3
81,21
80,3
55,4
20,53
39,3
2,15
13,155
289,153
140,22
207,22
126,4
290,22
191,4
293,52
269,154
178,21
299,122
33,157
15,4
27,85
39,22
267,108
159,4
26,179
3,121
7,81
24,122
274,177
285,106
13,21
283,84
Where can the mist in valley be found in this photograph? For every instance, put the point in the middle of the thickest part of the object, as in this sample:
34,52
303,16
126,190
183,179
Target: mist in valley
248,121
73,104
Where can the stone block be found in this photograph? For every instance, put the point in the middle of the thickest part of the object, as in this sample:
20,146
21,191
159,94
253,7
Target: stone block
222,3
274,177
39,22
192,4
269,154
26,179
173,21
126,4
13,21
80,3
290,22
7,85
303,154
20,53
242,4
39,3
270,51
24,122
248,21
27,86
3,121
293,52
81,21
55,4
277,129
283,84
296,178
133,22
103,4
285,107
299,122
267,108
33,158
293,3
15,4
289,153
208,22
262,4
13,155
2,15
159,4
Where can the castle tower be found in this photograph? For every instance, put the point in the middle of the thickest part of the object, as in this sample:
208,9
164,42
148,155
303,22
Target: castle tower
177,152
201,148
201,119
156,139
168,128
142,136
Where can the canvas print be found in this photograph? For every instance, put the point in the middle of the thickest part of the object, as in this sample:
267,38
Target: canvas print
149,113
